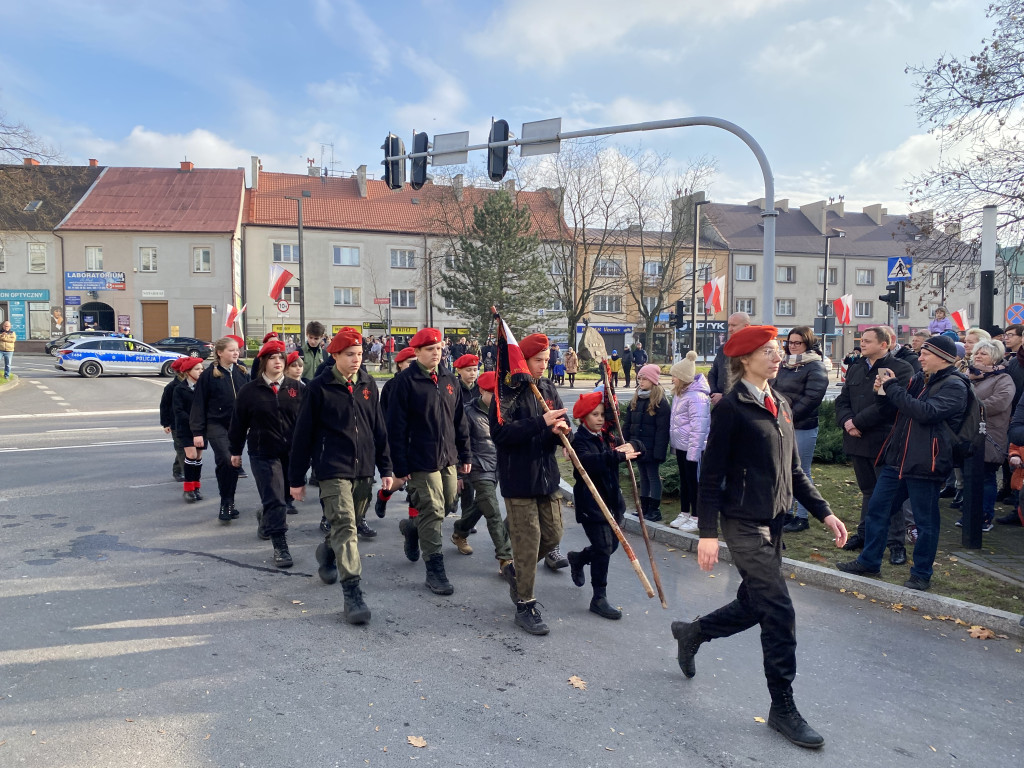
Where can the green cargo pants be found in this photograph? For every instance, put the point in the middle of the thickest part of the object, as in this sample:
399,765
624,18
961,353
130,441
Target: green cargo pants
344,502
485,504
432,494
535,527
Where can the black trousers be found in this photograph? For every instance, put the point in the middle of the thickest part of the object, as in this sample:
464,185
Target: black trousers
687,484
866,472
598,554
762,599
269,475
626,369
227,475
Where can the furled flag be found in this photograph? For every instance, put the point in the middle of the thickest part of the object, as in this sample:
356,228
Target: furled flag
959,319
844,309
714,295
610,402
231,315
279,277
512,370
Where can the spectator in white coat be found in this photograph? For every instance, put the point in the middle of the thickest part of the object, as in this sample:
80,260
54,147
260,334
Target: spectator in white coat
688,433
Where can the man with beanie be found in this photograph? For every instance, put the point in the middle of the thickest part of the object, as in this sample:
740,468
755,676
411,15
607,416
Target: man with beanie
429,435
917,456
341,429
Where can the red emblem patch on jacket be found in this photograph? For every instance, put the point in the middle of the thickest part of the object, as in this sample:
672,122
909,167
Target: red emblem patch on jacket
292,392
366,394
450,390
551,404
786,417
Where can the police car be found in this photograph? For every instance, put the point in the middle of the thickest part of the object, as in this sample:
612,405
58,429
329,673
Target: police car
113,354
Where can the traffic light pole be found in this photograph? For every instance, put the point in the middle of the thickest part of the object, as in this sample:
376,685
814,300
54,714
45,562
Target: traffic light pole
693,296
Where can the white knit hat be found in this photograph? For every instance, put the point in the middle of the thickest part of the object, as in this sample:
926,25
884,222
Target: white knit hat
686,369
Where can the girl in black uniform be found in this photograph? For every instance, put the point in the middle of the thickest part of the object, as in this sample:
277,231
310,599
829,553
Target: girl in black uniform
167,420
184,394
215,394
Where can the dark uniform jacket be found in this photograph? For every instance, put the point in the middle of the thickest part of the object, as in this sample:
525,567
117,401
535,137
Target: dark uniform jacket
718,376
385,396
485,455
426,422
602,464
342,433
920,444
652,431
215,396
469,394
526,445
167,403
750,469
266,418
871,413
181,406
804,387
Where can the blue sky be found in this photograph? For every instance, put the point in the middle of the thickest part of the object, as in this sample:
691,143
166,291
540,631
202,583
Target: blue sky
820,85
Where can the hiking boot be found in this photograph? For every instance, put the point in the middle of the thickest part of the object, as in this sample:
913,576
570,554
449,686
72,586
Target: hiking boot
857,567
508,573
380,506
688,639
602,607
914,582
365,531
784,718
528,618
576,568
1011,519
437,581
653,513
232,511
328,563
555,560
197,494
799,524
412,538
897,554
282,557
225,514
190,496
461,544
356,611
854,543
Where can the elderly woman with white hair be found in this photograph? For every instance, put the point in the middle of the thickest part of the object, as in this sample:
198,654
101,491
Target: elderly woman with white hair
994,387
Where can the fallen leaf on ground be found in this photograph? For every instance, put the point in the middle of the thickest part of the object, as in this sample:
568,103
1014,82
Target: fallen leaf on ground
926,617
897,607
818,558
576,682
207,737
669,549
417,741
128,720
296,602
979,632
758,719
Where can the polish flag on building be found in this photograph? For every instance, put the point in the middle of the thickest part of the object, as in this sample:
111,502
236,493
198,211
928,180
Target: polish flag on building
231,315
279,277
714,295
959,319
844,309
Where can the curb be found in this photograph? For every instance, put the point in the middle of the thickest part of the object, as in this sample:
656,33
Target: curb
10,384
1000,622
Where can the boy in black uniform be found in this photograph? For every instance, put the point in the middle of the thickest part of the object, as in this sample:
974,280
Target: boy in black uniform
341,429
402,361
265,412
467,368
429,435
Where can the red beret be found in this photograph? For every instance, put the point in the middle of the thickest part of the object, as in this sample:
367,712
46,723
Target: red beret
238,340
176,364
532,344
586,404
271,347
467,361
292,357
269,336
343,339
745,341
186,364
488,381
404,355
425,338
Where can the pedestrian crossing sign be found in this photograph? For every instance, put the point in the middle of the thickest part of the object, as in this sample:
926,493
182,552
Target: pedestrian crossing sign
900,268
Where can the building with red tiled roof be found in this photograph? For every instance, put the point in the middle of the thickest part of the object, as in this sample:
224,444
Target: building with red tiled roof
157,249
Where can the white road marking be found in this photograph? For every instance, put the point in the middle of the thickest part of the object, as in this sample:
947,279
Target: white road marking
84,445
129,412
159,382
83,429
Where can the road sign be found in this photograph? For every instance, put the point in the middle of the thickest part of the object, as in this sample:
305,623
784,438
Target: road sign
379,300
900,268
1015,314
283,306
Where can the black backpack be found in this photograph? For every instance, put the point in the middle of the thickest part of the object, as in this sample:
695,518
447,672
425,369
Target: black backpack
969,435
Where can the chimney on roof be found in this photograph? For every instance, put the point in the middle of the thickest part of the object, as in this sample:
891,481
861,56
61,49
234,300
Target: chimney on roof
314,170
557,197
361,180
838,208
815,213
93,162
31,161
782,205
875,213
953,229
254,179
510,186
923,219
457,186
759,203
682,211
187,166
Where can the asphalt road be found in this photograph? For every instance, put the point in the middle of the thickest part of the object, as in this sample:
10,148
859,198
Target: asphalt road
139,631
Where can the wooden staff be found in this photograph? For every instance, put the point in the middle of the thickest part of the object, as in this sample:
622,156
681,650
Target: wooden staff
605,379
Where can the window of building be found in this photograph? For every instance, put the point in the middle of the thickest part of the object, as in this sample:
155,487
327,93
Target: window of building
785,274
607,303
449,260
653,269
449,304
286,252
833,275
202,259
147,259
785,307
346,297
346,256
745,272
557,305
292,294
862,309
38,320
37,257
3,259
650,303
33,206
865,277
401,298
972,281
703,271
558,265
93,258
608,268
402,258
745,305
935,279
700,306
970,311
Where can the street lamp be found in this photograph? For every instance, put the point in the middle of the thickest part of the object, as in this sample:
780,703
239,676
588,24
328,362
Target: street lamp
302,283
824,280
693,288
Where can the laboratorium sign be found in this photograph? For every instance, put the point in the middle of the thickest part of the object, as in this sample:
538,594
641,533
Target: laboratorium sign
94,281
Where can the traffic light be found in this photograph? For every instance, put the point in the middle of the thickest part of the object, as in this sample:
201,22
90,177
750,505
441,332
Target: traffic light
497,157
394,170
680,314
895,294
418,175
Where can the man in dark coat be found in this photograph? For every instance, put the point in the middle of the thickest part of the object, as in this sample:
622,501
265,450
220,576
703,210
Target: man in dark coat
866,418
1013,339
627,363
718,376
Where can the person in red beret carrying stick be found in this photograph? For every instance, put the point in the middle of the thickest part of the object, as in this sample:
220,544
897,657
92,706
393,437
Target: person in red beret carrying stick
749,475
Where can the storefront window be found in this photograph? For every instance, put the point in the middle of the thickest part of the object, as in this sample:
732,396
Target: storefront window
38,320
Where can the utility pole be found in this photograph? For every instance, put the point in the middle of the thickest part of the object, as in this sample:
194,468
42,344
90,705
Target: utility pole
693,293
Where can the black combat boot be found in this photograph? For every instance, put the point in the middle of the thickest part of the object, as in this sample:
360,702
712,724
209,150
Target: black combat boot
653,511
600,605
528,618
328,563
225,513
364,531
190,496
784,718
437,581
231,509
688,638
356,611
282,557
576,568
412,538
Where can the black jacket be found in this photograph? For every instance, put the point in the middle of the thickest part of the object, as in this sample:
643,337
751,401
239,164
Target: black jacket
871,413
1016,371
385,396
343,434
485,455
627,359
526,445
602,464
804,387
469,394
652,431
718,376
167,403
427,426
215,396
920,444
639,358
267,419
908,356
751,469
181,406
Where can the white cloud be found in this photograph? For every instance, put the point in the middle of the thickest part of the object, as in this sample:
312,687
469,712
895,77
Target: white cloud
334,93
445,100
369,36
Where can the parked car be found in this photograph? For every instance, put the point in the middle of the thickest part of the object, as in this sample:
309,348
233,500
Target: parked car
185,345
54,344
91,357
